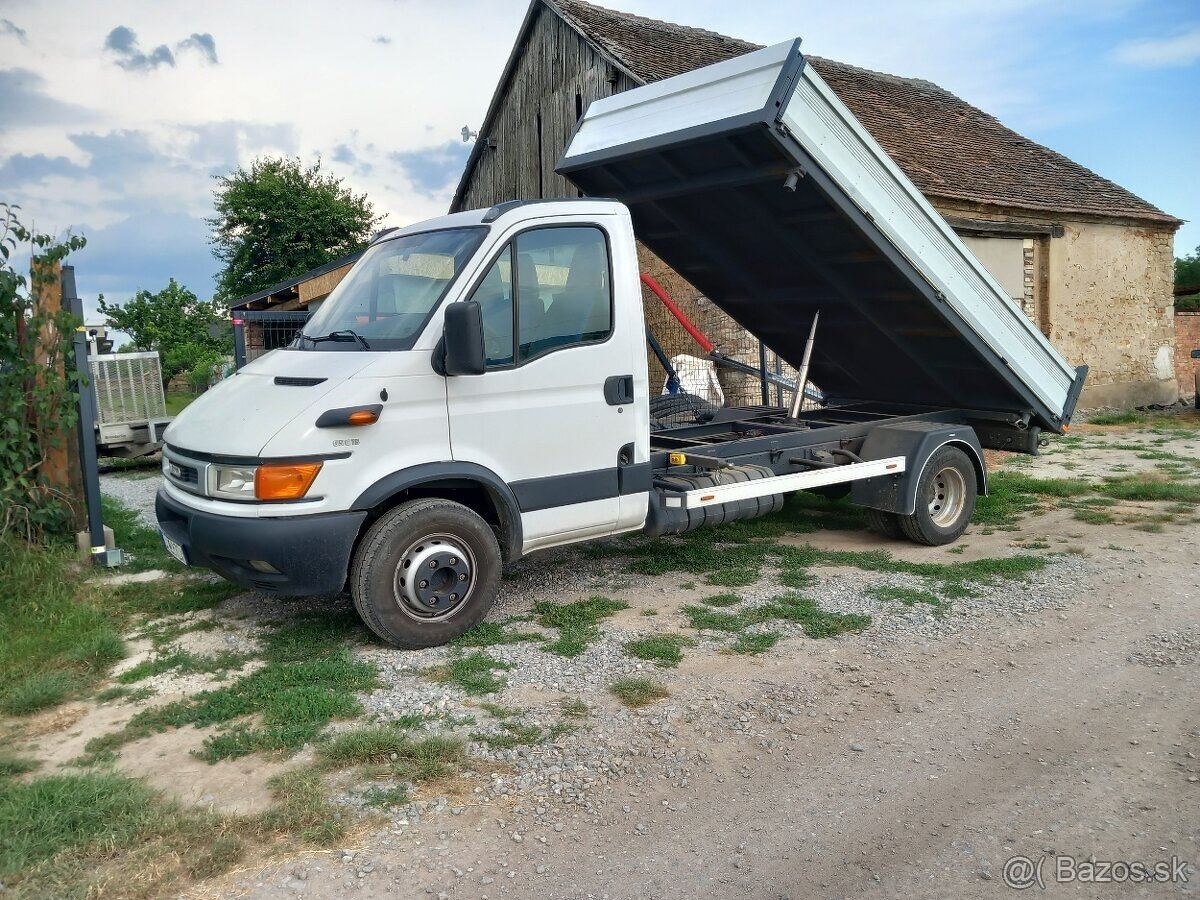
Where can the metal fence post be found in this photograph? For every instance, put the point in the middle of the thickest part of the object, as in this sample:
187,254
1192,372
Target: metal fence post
239,343
86,429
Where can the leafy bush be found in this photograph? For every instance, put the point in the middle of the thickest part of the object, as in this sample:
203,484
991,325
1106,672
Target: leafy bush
37,407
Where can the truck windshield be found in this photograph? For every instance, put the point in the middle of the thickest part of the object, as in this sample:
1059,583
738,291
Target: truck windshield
391,292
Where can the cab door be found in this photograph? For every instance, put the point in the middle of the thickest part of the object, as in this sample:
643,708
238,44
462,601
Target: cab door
553,415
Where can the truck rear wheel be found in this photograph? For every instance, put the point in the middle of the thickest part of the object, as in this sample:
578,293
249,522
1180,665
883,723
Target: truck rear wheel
425,572
945,499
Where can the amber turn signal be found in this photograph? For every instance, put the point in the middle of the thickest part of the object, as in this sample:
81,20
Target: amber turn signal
363,417
284,481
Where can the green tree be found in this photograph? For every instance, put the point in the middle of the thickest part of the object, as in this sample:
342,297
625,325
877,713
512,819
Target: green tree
176,323
280,219
1187,274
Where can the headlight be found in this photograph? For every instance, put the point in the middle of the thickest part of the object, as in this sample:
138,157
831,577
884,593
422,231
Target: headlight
232,482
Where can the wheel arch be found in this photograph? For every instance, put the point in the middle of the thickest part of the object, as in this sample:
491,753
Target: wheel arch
917,442
473,485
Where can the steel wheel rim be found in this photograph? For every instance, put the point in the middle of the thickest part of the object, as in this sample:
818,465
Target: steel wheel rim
947,495
434,577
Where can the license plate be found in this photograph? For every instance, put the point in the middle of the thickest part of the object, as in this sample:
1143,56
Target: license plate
174,548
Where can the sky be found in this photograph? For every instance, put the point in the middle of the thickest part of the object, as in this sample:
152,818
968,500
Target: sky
116,117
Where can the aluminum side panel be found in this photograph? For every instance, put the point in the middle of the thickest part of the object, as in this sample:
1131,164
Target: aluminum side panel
827,131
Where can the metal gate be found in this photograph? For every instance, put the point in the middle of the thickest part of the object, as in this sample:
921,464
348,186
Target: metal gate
260,331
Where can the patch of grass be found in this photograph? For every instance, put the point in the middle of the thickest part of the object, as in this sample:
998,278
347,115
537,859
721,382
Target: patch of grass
637,692
1152,527
578,623
732,577
489,634
58,640
302,807
721,600
1097,501
143,546
687,586
514,734
649,612
756,643
308,679
1012,494
386,746
1150,488
185,662
499,711
473,673
704,619
1094,516
177,401
911,597
171,596
121,692
664,650
37,691
72,835
11,765
1122,417
573,708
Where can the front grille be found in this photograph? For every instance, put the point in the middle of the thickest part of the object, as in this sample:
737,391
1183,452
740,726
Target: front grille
186,474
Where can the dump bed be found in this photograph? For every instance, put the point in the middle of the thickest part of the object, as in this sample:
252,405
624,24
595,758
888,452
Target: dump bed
753,181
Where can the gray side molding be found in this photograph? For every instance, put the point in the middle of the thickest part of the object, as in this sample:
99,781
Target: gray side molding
916,442
454,475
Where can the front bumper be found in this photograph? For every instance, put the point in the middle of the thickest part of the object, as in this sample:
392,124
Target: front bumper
310,553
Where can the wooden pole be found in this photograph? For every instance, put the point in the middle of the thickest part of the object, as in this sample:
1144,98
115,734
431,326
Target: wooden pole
60,468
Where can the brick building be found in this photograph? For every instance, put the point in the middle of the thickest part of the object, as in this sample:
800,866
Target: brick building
1087,260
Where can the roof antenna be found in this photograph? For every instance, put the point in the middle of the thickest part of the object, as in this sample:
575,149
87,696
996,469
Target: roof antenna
802,376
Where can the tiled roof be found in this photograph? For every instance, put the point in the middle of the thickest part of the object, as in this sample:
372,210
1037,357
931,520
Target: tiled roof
949,148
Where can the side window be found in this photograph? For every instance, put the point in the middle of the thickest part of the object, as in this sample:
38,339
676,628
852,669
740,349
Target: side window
564,289
495,297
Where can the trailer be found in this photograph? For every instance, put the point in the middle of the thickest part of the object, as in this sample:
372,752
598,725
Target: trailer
476,388
131,407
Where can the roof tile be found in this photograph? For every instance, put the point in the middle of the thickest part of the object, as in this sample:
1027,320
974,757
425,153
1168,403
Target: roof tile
947,147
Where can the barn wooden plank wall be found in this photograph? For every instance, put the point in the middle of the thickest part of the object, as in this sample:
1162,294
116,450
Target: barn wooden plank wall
557,76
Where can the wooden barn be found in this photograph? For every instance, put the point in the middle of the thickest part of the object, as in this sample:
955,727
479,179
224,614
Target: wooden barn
1087,260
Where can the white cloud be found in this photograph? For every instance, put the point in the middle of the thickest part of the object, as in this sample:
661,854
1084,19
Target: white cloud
1182,49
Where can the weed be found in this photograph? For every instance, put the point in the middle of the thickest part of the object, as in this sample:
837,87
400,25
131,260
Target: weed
664,650
385,797
36,691
489,634
514,734
649,612
1151,488
758,642
687,586
573,708
732,577
911,597
704,619
958,549
1094,516
637,692
474,673
721,600
302,807
185,662
500,711
1123,417
577,623
128,694
1152,527
432,757
816,622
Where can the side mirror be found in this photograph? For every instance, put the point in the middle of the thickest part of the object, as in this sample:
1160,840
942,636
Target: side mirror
463,336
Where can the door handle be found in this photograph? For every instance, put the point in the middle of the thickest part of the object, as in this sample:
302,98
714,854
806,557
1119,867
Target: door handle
618,390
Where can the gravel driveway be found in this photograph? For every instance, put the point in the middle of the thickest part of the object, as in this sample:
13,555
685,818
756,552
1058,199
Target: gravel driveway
1054,716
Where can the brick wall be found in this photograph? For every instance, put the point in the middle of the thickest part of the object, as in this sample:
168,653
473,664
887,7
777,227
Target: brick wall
1187,339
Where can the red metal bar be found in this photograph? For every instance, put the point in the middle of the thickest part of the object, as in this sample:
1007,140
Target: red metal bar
674,310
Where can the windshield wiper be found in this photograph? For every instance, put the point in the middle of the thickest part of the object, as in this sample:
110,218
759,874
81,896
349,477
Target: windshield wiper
344,334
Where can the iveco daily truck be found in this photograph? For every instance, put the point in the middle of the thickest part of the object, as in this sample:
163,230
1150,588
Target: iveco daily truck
476,389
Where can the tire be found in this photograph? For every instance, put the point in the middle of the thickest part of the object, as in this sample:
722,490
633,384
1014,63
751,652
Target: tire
886,523
681,409
946,496
436,536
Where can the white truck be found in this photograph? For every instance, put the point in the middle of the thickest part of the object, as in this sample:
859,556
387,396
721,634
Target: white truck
476,389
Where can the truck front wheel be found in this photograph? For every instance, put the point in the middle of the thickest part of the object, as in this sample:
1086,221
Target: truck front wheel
425,572
945,499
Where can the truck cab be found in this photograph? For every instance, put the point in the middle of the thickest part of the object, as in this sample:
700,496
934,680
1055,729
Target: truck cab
277,476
